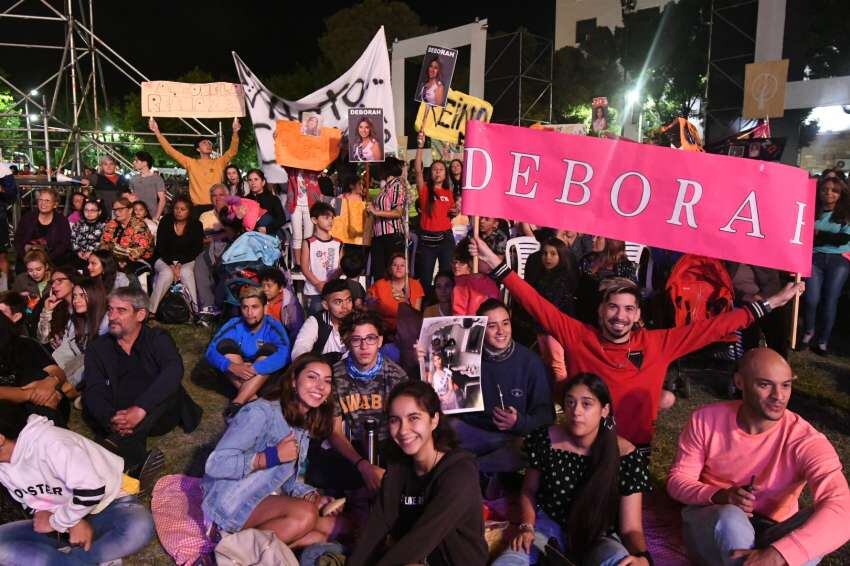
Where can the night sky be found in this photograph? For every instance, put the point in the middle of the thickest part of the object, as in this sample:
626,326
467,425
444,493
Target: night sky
165,39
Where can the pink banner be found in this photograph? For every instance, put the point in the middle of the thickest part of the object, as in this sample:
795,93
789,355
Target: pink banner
713,205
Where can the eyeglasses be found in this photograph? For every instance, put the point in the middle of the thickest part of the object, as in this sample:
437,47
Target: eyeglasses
59,279
49,200
117,208
370,340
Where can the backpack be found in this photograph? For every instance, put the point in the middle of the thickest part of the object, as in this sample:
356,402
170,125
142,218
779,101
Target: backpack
700,288
325,331
175,307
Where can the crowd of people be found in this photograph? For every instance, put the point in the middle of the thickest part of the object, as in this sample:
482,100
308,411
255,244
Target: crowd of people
333,442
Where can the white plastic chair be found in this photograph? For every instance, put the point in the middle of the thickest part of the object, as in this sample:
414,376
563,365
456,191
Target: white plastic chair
517,251
634,251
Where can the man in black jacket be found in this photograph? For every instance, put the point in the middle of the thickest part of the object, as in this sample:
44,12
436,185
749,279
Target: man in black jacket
133,381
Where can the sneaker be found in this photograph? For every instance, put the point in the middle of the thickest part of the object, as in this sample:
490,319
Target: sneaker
78,403
230,411
210,311
151,471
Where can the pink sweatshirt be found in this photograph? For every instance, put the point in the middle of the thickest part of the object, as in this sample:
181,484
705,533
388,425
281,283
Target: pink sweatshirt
714,453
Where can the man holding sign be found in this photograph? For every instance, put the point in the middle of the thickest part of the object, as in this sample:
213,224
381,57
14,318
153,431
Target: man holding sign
631,360
204,171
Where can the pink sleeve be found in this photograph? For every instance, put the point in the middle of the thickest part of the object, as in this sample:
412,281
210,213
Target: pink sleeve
683,483
829,526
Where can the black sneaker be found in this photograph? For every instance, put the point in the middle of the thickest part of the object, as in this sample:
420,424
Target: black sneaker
151,471
230,411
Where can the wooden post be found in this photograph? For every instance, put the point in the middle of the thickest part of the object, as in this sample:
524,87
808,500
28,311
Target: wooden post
795,315
475,235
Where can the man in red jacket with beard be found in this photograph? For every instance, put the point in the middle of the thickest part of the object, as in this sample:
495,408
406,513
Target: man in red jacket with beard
631,360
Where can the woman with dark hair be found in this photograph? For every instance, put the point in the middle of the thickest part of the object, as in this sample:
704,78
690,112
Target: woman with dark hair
87,322
387,210
126,236
88,232
252,480
56,307
425,511
366,146
180,241
433,91
830,264
557,283
78,200
388,293
444,285
142,212
234,182
103,268
260,191
456,177
436,209
583,485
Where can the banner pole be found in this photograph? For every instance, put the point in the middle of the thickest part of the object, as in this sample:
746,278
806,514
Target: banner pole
795,316
475,235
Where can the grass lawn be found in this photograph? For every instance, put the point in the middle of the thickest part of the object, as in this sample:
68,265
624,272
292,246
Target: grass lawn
821,395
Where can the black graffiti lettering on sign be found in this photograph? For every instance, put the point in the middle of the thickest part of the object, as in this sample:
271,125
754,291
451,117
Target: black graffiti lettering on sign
456,114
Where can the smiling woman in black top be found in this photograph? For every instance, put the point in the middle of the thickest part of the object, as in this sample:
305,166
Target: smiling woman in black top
584,484
426,511
180,239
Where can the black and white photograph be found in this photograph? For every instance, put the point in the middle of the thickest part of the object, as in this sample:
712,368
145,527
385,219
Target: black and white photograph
365,134
436,75
452,360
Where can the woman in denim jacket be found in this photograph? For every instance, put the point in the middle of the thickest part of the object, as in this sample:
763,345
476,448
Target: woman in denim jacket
253,478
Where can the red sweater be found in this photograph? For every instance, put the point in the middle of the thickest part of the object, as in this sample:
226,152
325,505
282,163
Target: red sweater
636,392
438,219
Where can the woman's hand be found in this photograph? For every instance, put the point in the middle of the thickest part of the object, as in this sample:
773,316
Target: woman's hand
523,541
51,302
420,139
420,351
287,448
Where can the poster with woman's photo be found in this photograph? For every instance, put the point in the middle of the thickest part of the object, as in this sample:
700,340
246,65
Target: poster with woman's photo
365,134
599,121
452,361
438,67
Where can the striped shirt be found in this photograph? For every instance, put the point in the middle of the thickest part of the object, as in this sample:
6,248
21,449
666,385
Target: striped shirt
390,198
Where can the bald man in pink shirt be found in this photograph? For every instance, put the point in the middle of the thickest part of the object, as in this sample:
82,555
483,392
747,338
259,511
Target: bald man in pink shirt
741,467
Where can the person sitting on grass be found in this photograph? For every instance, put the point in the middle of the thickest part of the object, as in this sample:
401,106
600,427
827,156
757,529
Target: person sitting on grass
426,511
320,333
282,305
252,479
249,349
83,510
633,361
583,486
741,467
133,378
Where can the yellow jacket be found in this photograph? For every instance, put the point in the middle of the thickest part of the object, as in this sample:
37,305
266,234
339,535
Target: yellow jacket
203,173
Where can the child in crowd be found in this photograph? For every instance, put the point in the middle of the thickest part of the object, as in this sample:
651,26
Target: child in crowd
6,273
253,477
35,282
557,283
84,510
425,512
249,212
353,265
282,304
583,485
320,256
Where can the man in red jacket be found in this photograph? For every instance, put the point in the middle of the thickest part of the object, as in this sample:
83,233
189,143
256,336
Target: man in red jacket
633,361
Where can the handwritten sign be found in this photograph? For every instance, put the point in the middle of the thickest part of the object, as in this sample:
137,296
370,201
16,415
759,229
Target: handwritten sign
294,149
449,124
192,100
764,89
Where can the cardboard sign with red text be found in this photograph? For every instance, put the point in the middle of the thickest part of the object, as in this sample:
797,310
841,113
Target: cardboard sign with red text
738,209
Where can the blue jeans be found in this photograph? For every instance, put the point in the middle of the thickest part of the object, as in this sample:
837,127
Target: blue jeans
495,451
711,533
823,288
609,551
121,529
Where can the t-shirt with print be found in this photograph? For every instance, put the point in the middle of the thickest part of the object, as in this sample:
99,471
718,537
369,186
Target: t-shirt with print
324,261
147,188
358,400
411,502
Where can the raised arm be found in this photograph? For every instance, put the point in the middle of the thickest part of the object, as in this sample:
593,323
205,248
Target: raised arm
417,163
166,146
234,142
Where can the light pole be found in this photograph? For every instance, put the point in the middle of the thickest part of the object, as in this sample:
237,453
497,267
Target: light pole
33,92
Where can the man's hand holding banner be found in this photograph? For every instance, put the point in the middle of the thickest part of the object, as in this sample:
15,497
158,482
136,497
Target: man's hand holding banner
742,210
